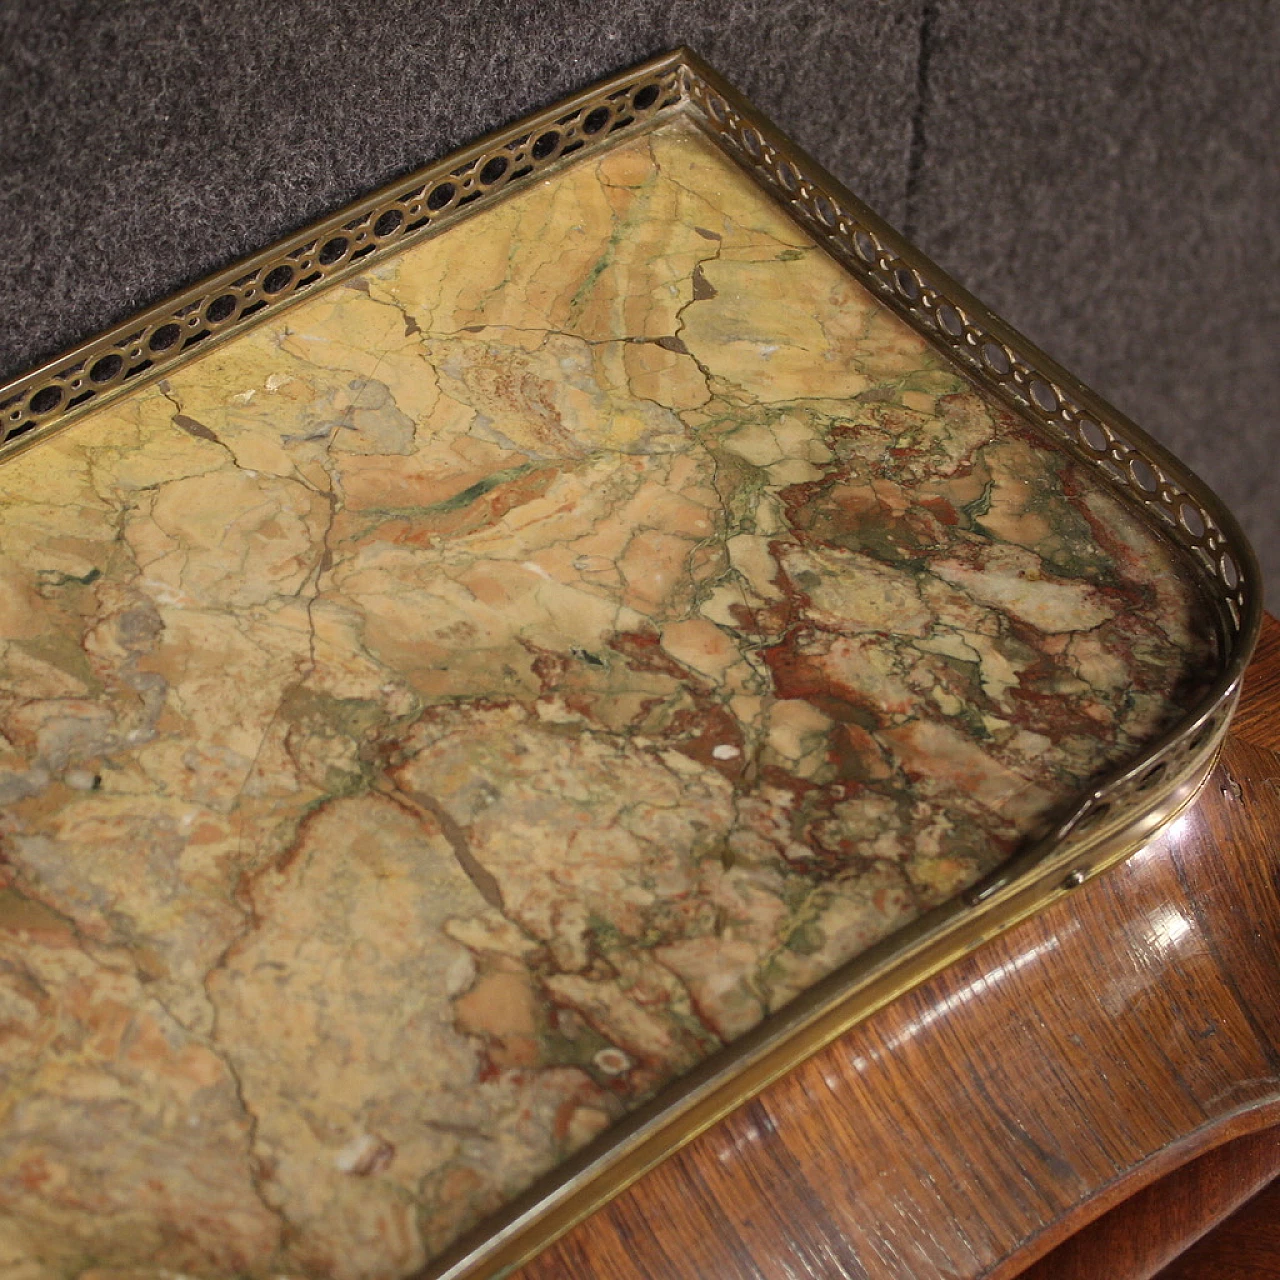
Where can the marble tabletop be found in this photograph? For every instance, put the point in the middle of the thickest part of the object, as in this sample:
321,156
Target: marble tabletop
439,717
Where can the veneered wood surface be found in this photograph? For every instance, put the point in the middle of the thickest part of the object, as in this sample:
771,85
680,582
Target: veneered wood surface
980,1120
1245,1247
1157,1226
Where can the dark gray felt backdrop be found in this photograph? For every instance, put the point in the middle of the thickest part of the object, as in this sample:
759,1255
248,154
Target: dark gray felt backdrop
1105,173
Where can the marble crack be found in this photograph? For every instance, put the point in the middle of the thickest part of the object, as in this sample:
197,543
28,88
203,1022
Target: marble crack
189,425
666,342
252,1123
805,244
696,295
424,807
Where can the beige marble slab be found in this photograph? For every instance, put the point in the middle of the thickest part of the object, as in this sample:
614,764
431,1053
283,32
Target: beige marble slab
441,716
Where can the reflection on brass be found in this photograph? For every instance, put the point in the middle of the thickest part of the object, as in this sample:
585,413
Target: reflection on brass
1118,814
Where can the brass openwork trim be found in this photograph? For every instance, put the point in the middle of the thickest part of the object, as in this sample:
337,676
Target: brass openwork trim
433,197
991,352
1121,812
370,229
1025,379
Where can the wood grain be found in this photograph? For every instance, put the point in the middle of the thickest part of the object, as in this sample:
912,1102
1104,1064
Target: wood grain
1245,1247
1153,1229
1258,718
979,1121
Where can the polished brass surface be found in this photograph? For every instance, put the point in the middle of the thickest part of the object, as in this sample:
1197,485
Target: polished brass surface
1115,818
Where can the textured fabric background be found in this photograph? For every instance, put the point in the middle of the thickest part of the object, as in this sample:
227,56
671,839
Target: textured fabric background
1105,173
